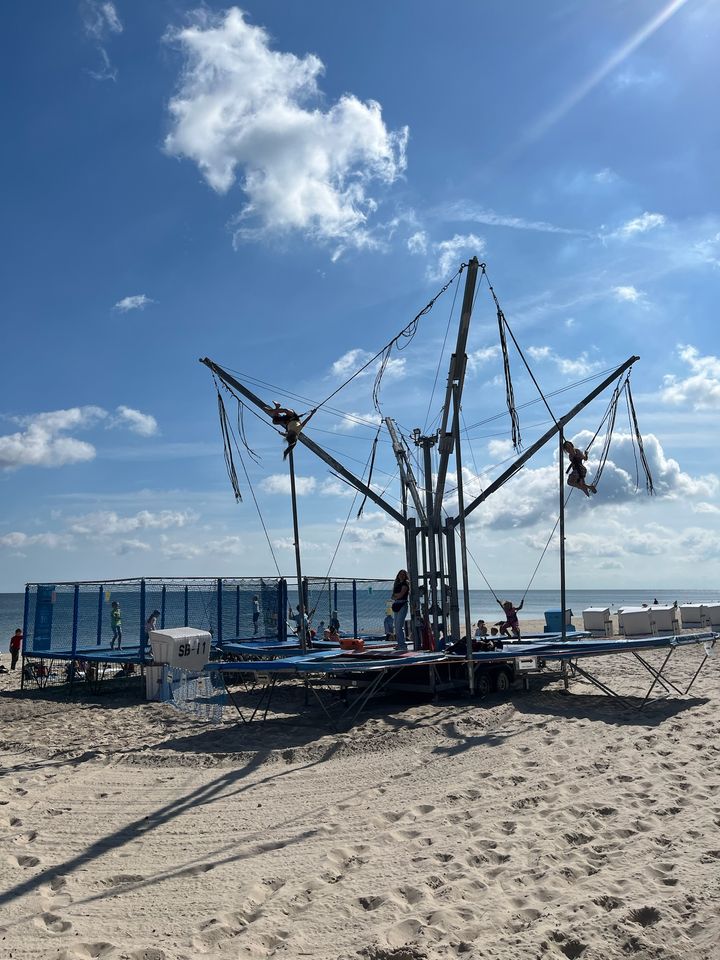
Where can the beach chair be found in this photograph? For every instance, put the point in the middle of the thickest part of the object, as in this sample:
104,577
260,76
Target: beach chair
712,613
597,621
664,619
693,614
635,622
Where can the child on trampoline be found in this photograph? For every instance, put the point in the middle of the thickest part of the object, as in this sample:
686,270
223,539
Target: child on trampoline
577,471
511,621
116,624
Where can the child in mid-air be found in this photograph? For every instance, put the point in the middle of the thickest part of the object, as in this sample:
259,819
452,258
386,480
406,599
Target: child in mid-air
511,621
577,471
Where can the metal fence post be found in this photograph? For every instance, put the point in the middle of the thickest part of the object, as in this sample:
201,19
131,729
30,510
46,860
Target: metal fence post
76,608
162,607
218,638
355,620
237,610
186,605
26,617
99,623
334,606
143,638
282,609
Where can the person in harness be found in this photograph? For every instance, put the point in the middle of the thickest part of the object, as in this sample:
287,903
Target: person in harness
577,471
289,420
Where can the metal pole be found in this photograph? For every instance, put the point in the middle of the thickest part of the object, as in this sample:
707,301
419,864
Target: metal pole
186,606
143,638
452,567
26,618
563,630
219,611
163,595
427,443
355,616
76,607
463,542
298,566
237,610
414,597
99,622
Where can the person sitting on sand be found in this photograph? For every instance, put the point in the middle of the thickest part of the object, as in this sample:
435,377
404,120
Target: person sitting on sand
577,471
511,621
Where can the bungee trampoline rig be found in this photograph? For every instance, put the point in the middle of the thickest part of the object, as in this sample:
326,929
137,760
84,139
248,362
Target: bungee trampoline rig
253,657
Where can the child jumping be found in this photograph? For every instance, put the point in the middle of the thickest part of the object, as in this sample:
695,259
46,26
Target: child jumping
511,621
577,471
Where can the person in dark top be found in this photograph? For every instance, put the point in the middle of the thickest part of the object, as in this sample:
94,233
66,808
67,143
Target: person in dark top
577,471
289,420
15,644
400,596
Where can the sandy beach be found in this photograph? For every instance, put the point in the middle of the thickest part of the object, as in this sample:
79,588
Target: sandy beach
540,825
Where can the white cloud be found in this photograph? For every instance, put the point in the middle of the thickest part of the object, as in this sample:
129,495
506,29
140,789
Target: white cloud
579,366
233,546
332,487
143,423
108,523
280,483
242,106
351,421
709,250
478,358
123,547
500,449
418,242
531,498
604,176
643,223
374,530
138,302
450,253
633,78
463,210
701,390
17,540
42,444
100,21
349,362
570,322
628,294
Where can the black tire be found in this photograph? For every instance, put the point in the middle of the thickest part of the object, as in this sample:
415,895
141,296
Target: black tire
483,686
502,682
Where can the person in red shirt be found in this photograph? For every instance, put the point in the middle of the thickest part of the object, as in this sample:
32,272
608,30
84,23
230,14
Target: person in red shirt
15,645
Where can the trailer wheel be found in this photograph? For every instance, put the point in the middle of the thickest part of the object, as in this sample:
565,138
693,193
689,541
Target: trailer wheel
483,687
502,681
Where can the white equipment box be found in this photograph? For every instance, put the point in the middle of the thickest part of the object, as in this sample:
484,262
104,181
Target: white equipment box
185,647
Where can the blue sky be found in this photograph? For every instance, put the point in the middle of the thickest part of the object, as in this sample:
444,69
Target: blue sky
282,187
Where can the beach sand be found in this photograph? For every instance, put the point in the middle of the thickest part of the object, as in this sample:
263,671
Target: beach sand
540,825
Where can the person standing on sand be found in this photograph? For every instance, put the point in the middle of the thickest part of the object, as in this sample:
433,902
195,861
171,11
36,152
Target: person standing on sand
400,595
15,644
116,624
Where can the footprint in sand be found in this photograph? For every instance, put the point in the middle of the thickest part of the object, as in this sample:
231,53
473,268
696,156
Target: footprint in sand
25,837
121,878
52,922
149,953
88,951
25,862
645,916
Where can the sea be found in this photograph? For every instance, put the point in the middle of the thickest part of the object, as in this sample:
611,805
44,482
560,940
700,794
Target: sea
482,604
